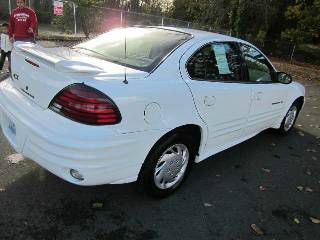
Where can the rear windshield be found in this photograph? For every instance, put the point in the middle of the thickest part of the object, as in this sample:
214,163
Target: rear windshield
146,47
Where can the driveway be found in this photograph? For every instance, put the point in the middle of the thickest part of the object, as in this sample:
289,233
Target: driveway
271,181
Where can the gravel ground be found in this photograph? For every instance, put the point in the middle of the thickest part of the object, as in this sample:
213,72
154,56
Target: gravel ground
271,181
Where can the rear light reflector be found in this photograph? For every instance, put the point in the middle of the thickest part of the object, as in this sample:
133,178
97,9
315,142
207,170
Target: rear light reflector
32,63
85,104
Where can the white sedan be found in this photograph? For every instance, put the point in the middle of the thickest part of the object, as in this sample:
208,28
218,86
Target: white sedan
144,107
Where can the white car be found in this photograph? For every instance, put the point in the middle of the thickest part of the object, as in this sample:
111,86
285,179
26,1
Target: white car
143,107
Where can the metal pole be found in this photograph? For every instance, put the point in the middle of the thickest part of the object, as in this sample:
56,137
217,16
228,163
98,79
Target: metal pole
75,19
121,18
9,6
29,4
291,56
161,21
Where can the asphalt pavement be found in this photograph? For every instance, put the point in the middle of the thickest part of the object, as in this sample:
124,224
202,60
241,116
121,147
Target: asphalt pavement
271,181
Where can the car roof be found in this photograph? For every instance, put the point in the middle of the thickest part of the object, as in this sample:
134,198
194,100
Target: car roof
200,33
203,35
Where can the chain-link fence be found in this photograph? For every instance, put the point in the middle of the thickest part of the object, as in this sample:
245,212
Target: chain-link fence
79,23
87,21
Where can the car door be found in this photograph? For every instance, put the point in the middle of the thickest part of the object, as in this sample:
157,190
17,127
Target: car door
213,73
268,96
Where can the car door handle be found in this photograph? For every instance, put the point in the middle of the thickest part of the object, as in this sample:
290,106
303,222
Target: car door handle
276,103
209,100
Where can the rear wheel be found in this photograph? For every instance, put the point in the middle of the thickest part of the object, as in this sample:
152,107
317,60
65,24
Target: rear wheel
167,165
290,118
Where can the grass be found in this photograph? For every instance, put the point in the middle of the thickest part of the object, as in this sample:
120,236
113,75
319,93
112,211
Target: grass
52,33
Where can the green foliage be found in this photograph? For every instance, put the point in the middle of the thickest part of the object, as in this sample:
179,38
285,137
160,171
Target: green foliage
304,17
88,3
259,20
44,16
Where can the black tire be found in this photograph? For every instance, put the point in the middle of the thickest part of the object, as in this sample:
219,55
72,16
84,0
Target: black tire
146,176
283,129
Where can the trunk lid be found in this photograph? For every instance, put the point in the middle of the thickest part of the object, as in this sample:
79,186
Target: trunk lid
40,73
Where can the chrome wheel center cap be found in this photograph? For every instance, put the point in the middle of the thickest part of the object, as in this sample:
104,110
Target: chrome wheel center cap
173,166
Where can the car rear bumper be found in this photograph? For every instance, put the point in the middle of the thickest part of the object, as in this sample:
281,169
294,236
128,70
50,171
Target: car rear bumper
100,153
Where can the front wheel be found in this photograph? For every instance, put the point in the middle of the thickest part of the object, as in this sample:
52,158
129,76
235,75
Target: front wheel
166,166
289,119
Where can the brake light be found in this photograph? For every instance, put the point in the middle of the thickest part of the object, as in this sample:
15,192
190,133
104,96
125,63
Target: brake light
85,104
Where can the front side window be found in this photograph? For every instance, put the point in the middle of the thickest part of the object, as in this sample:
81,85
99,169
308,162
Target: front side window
216,62
259,69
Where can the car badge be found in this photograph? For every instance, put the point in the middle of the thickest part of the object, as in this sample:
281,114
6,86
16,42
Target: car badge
16,76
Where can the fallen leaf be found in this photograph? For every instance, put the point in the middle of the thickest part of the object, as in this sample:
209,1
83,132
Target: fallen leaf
308,115
97,205
314,220
314,158
273,144
301,133
309,189
218,175
311,150
262,188
308,172
299,125
300,188
14,158
296,220
258,231
2,190
207,204
266,170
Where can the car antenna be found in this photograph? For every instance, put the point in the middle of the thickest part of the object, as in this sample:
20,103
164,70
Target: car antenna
125,51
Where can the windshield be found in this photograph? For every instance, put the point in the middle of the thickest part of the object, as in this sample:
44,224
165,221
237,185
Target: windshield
146,47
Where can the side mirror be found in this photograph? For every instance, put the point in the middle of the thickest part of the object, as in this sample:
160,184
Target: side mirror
284,78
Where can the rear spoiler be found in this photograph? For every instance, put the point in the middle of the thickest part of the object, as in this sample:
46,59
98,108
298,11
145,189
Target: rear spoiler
49,57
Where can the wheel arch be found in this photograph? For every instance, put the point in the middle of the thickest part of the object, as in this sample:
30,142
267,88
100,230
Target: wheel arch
194,131
299,101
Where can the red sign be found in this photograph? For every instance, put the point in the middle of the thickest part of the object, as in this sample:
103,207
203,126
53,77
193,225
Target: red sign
58,8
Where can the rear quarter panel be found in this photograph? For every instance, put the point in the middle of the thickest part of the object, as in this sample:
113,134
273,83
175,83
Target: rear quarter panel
160,102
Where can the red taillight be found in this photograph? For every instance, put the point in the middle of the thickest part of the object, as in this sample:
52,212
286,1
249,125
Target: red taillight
86,105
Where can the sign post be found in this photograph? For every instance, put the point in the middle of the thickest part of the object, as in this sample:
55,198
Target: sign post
58,11
9,6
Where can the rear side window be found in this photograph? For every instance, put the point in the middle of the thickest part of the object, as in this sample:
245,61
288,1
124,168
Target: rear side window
216,62
259,69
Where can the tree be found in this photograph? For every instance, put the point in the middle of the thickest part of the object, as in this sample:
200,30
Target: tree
304,20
